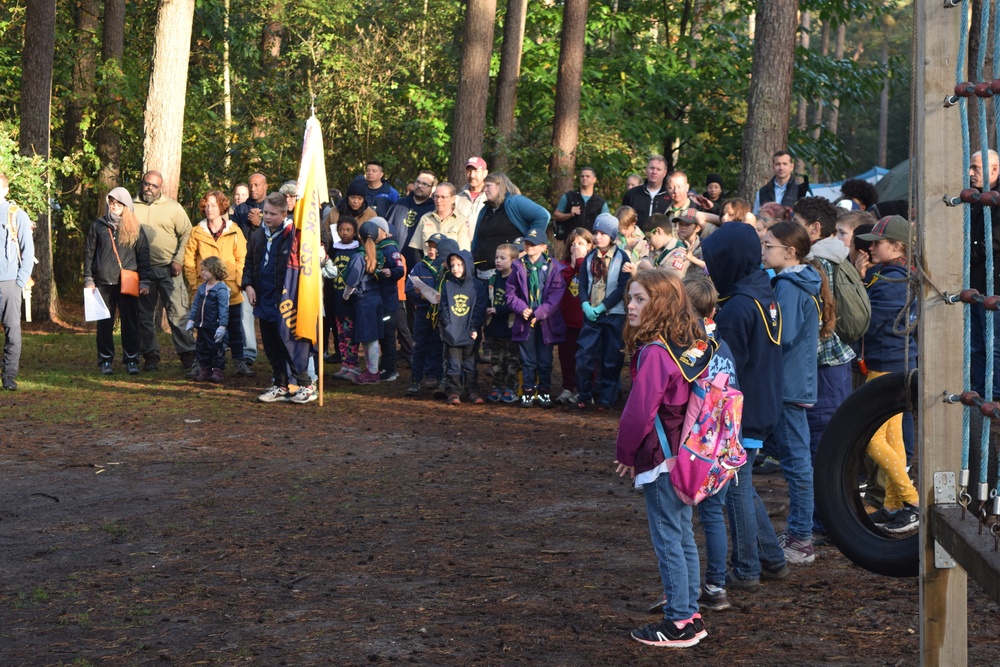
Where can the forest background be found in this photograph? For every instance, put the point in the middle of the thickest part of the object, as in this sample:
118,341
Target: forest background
93,92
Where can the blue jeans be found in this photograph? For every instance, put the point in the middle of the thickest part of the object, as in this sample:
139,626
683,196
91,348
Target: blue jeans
754,541
676,553
711,512
833,386
536,362
234,331
600,340
977,341
426,359
249,335
791,437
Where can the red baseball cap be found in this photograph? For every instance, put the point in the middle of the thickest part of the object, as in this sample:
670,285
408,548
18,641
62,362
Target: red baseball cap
476,163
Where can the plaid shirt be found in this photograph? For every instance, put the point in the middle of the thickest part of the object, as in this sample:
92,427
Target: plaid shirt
832,351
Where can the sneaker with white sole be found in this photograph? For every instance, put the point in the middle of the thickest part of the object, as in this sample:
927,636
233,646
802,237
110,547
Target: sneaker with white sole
905,521
274,394
565,397
666,633
305,394
797,551
714,598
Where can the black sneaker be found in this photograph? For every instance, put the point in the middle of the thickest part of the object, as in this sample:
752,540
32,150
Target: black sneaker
657,607
388,376
441,391
666,633
907,520
151,363
106,368
882,516
413,389
9,384
699,627
715,600
544,400
132,367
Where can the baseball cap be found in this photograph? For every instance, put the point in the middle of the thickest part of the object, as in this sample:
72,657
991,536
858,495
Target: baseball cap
476,163
892,227
686,219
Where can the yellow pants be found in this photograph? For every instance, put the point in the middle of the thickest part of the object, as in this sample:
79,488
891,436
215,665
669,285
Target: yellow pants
886,449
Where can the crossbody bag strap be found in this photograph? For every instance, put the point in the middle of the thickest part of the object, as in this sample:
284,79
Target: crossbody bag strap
12,226
114,246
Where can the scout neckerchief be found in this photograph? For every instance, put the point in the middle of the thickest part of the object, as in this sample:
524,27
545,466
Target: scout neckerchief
534,279
599,266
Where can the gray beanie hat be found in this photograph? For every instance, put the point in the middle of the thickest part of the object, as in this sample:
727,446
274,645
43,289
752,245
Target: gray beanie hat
382,224
122,195
607,224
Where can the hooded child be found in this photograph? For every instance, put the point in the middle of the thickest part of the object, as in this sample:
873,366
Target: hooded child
749,320
461,315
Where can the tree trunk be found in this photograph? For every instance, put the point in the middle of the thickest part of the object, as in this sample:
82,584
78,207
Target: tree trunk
802,117
838,52
975,10
566,116
227,93
77,208
883,106
766,128
473,87
817,131
36,111
108,140
510,72
164,117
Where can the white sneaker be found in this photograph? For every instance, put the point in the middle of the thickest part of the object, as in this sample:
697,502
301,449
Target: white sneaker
274,394
565,397
305,394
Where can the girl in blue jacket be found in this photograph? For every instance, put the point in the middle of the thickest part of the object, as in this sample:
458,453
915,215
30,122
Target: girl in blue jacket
361,287
885,351
802,294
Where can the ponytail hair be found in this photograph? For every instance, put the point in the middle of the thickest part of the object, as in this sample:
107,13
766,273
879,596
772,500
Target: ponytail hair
371,258
128,228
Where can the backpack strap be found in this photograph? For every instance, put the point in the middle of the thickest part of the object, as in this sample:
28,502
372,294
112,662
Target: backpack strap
12,226
661,434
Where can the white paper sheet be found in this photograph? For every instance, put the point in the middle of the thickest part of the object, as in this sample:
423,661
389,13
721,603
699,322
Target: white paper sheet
426,290
94,307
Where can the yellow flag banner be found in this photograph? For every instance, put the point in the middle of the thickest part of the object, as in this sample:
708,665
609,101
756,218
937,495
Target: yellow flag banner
312,192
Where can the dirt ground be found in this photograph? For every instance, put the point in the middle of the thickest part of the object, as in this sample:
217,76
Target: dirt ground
377,530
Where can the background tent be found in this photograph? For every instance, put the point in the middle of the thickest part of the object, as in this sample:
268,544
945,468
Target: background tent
895,184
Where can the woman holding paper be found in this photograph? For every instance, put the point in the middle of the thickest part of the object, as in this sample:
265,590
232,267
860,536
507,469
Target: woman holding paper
116,248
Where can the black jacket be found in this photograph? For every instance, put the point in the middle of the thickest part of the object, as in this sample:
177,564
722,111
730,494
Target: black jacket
977,253
255,255
588,213
463,305
100,266
639,199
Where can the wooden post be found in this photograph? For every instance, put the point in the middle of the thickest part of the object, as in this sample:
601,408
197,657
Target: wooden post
936,169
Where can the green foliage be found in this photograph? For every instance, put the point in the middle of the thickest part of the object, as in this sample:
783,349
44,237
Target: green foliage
660,76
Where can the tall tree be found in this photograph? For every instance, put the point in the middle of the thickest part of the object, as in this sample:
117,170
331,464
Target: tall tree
36,112
68,236
108,109
473,92
566,117
510,71
802,112
766,128
883,102
164,117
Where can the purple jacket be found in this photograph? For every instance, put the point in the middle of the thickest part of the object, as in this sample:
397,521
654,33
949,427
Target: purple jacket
548,314
658,387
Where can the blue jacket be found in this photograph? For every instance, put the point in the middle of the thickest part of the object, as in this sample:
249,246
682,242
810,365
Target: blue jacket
885,350
268,278
389,287
523,213
17,258
614,293
210,308
797,291
427,272
463,305
749,320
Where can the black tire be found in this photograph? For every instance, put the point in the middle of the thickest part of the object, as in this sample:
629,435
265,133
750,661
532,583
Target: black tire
840,461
